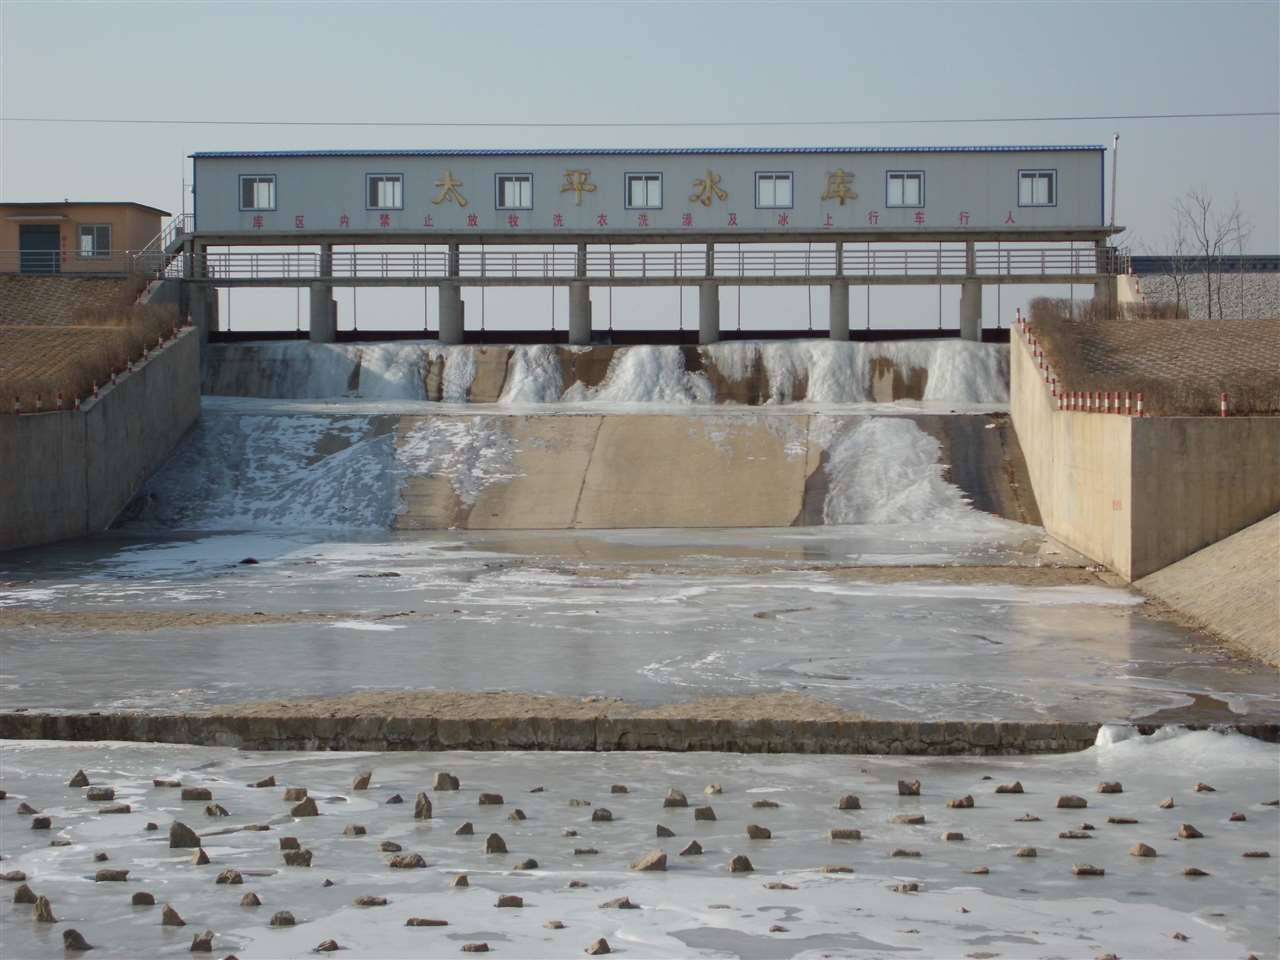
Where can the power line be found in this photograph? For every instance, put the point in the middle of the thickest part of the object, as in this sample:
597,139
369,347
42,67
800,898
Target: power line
583,124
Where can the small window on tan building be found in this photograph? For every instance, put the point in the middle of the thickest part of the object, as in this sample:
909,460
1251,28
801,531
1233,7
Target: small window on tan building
95,240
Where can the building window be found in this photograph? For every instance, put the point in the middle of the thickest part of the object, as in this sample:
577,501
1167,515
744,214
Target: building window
1037,188
644,191
95,240
515,191
773,190
904,188
384,191
258,193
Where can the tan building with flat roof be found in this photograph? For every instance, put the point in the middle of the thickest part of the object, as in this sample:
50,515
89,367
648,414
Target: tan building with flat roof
74,236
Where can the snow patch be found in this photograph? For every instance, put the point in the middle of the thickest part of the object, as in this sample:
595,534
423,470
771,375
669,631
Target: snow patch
472,453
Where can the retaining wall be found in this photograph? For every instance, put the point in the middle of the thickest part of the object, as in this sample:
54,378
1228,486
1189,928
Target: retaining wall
1140,494
69,474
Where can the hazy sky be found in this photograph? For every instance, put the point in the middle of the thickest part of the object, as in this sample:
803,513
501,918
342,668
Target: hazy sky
691,62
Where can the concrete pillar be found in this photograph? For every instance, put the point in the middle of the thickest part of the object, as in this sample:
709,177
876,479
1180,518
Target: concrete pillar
203,301
326,259
1106,291
580,262
708,312
971,310
451,316
324,313
711,260
452,268
579,314
839,322
970,259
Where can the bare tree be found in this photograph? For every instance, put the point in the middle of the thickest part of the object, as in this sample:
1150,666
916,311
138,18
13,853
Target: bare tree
1176,252
1211,233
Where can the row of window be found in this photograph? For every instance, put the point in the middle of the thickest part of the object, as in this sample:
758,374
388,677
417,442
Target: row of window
643,191
95,240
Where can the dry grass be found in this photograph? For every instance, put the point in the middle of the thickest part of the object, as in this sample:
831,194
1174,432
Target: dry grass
1180,366
38,362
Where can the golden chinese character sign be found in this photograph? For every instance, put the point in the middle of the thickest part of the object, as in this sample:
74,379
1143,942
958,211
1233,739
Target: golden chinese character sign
707,189
449,190
839,187
577,182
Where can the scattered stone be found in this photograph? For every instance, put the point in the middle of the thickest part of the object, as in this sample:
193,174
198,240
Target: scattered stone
911,789
290,843
1087,870
361,782
900,852
199,858
25,809
1188,832
445,781
655,860
490,800
151,826
764,805
575,802
537,789
845,833
41,823
494,844
704,813
577,884
530,864
100,793
834,868
1195,872
282,918
475,948
712,789
407,861
1166,804
354,830
598,947
422,807
265,782
554,924
1179,935
1271,803
675,798
848,802
395,798
1237,818
460,881
952,835
979,871
1015,787
24,894
1071,802
78,779
327,882
229,877
1112,786
1255,854
778,885
619,903
248,562
169,917
1025,852
143,899
159,782
181,836
216,810
116,808
516,815
60,842
297,858
100,858
757,832
910,887
740,864
72,940
964,803
665,831
327,946
693,849
915,819
1204,788
425,922
111,876
370,901
509,900
307,808
1027,818
13,876
777,928
619,788
465,830
601,815
568,833
294,794
1123,821
1074,835
197,794
202,942
585,851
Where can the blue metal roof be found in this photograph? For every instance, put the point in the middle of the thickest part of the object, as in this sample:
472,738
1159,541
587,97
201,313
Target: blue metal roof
638,151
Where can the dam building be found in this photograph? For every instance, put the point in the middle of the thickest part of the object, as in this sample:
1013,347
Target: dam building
833,216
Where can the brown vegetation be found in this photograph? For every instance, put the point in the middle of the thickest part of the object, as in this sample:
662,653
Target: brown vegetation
1180,366
39,362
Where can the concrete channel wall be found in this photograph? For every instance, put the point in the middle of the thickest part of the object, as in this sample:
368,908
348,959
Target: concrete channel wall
69,474
1140,494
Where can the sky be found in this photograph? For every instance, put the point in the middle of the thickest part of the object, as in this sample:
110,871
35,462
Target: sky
522,64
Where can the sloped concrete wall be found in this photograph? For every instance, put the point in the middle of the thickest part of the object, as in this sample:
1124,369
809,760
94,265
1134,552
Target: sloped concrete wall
69,474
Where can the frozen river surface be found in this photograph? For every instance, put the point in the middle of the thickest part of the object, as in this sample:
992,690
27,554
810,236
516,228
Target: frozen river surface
1020,907
650,616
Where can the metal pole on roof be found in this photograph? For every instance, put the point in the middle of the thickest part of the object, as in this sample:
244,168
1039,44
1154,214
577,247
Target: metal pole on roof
1115,153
